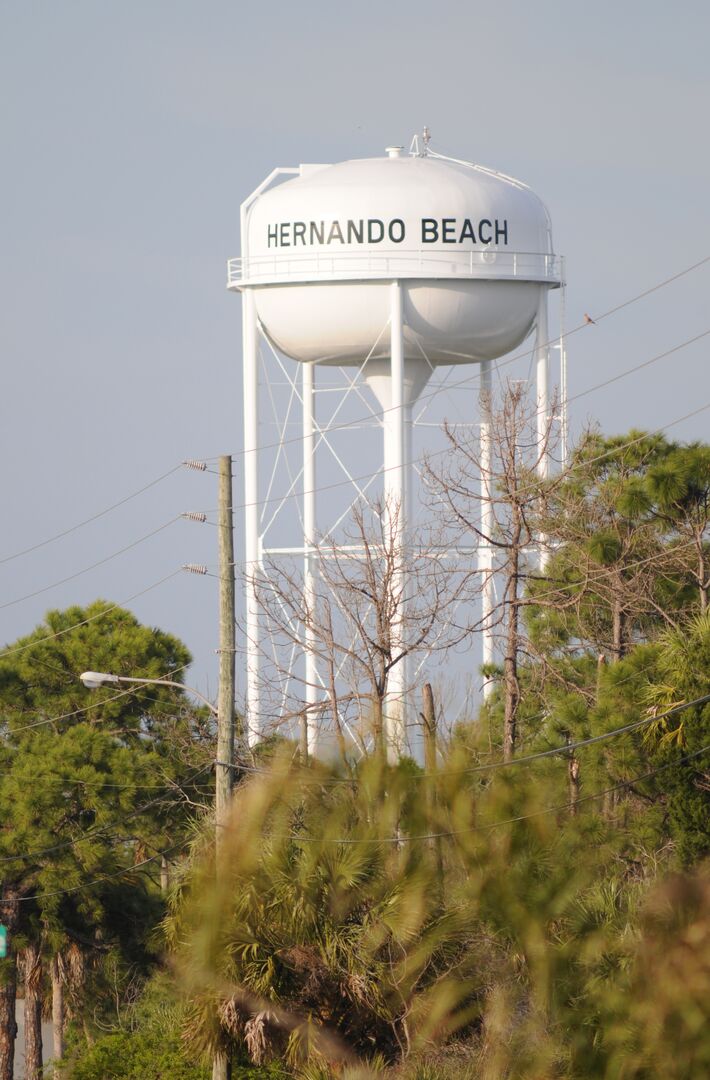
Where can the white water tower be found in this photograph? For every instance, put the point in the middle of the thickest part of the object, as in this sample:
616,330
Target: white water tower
394,266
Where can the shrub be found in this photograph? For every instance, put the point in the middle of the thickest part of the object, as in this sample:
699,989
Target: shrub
136,1056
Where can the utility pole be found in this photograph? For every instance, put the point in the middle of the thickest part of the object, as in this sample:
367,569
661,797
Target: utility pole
428,716
224,770
225,699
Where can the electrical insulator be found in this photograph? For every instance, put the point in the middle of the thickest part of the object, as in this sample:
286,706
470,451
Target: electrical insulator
201,466
194,515
194,568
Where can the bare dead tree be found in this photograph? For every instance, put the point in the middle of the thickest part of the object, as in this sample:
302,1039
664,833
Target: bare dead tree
379,603
496,496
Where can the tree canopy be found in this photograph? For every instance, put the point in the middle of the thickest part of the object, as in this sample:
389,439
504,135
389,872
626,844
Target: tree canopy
97,788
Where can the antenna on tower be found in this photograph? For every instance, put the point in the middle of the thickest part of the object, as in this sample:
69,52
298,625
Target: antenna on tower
420,148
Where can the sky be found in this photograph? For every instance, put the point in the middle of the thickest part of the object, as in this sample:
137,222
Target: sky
132,131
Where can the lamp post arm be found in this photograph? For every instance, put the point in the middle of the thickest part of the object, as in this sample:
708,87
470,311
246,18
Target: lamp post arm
94,679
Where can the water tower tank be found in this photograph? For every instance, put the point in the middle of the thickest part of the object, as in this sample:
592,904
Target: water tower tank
395,265
473,246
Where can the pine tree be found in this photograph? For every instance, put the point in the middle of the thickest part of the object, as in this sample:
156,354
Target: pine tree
614,572
679,487
92,785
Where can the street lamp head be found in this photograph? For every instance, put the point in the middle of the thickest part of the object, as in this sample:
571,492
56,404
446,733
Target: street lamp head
92,680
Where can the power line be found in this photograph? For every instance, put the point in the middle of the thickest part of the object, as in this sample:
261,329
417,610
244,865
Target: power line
541,715
556,751
504,363
508,821
347,425
70,780
94,517
593,574
409,839
639,367
381,840
86,569
92,618
654,288
591,741
447,450
606,453
97,881
87,708
146,487
100,830
339,483
244,768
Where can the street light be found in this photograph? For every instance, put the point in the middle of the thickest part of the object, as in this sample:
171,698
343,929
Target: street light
93,680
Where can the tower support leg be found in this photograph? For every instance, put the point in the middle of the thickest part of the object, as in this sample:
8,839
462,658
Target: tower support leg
310,567
395,523
542,370
542,350
250,360
485,551
564,429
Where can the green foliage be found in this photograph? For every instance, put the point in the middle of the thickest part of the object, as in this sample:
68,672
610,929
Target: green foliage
322,940
78,765
146,1044
333,940
656,1015
683,675
679,484
39,677
323,935
547,920
520,927
92,789
132,1056
619,564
